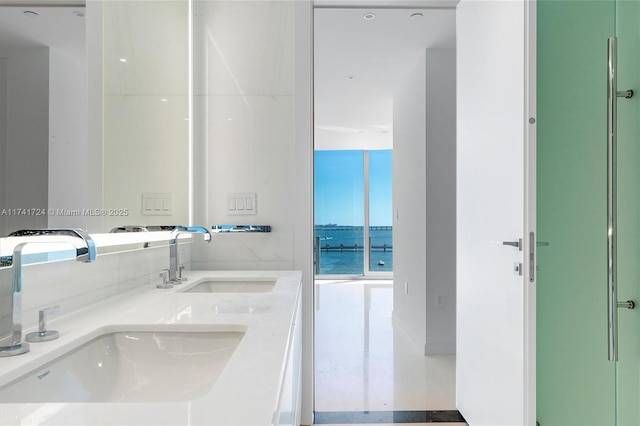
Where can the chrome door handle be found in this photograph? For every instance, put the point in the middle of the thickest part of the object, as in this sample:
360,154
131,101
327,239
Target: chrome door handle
612,299
517,244
612,170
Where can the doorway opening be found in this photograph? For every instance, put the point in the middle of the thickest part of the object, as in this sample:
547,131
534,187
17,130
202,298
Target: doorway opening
370,155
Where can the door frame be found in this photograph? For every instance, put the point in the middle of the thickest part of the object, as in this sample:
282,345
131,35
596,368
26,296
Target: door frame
530,202
303,241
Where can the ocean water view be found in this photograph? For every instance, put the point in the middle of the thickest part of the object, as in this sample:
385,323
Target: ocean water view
342,249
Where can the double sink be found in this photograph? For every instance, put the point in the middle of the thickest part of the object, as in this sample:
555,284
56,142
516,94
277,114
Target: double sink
144,363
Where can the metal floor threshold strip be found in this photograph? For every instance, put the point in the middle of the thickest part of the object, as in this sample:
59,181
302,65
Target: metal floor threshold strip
368,417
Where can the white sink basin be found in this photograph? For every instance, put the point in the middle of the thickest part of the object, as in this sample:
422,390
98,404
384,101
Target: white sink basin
233,285
147,366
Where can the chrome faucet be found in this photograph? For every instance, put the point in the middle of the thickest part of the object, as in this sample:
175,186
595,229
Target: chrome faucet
174,274
11,339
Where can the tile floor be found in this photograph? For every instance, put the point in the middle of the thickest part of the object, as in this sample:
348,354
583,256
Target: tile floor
363,363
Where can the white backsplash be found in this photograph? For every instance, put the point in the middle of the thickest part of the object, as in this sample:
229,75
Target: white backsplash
268,251
74,285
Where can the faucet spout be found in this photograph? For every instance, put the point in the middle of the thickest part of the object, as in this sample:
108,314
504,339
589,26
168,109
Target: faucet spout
173,248
11,339
206,234
85,248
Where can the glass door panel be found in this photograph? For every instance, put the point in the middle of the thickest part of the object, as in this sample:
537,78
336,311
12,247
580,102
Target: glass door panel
627,32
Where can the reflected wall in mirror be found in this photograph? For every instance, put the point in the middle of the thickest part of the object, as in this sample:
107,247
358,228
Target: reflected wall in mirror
146,112
94,114
42,114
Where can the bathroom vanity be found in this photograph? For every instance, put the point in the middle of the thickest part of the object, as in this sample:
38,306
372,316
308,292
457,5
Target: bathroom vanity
222,348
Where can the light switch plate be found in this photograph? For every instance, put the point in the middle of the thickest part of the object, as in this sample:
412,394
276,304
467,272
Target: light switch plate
241,203
157,203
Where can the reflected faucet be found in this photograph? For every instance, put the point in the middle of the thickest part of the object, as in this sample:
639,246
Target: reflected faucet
174,274
11,338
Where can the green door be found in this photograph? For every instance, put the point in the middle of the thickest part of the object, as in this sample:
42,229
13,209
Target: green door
576,383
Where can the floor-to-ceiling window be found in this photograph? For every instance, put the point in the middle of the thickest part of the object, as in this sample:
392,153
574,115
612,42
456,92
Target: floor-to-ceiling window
353,212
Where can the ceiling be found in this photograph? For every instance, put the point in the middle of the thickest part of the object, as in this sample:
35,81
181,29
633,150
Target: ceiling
60,28
358,62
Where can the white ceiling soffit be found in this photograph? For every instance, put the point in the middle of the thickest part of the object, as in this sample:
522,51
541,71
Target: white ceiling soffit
53,27
43,3
358,62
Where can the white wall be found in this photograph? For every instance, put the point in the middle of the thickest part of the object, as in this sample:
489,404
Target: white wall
67,138
441,202
245,135
45,102
409,203
303,195
27,129
424,203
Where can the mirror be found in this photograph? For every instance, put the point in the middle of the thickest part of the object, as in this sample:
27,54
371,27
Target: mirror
94,114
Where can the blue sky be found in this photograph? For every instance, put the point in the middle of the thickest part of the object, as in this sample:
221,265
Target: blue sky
339,186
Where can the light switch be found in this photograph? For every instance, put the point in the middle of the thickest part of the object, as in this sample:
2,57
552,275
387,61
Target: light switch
166,204
157,203
148,204
241,203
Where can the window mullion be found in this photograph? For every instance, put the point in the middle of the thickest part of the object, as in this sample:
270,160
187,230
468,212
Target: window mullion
367,242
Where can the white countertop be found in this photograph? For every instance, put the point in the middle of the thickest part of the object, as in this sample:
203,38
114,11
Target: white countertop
246,393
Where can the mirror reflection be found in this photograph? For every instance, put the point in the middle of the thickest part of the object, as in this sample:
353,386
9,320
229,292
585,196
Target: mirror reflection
94,115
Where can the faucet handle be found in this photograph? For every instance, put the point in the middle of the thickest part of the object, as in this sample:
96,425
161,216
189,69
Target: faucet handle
180,277
165,279
43,335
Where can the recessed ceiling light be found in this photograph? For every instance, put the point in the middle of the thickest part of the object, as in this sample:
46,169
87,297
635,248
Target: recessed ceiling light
30,14
351,77
163,100
123,60
369,16
416,15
